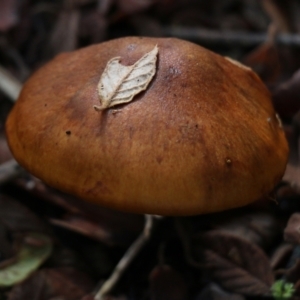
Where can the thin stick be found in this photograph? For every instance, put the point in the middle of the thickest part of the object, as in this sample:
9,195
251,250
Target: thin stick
128,257
10,86
229,37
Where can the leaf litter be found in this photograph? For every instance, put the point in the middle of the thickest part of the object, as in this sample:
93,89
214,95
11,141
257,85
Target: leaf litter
228,258
54,283
35,248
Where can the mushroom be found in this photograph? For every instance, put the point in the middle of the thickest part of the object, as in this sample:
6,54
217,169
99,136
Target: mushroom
201,137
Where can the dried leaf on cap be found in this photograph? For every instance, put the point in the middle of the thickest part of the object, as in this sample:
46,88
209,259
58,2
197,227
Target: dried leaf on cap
119,84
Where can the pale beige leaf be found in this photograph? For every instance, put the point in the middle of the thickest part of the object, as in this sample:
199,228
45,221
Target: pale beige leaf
119,84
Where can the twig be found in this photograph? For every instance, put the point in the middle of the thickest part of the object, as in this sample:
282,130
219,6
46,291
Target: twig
277,14
9,84
229,37
11,87
128,257
9,170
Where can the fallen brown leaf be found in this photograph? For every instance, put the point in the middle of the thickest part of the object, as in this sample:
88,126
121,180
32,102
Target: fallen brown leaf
113,227
236,264
260,228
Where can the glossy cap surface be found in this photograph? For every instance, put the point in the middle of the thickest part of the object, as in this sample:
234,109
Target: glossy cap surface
203,137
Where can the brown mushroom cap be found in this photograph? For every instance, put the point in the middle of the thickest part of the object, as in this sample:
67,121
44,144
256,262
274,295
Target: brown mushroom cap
203,137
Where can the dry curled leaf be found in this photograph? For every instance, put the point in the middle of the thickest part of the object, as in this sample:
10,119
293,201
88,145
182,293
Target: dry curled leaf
119,84
236,264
